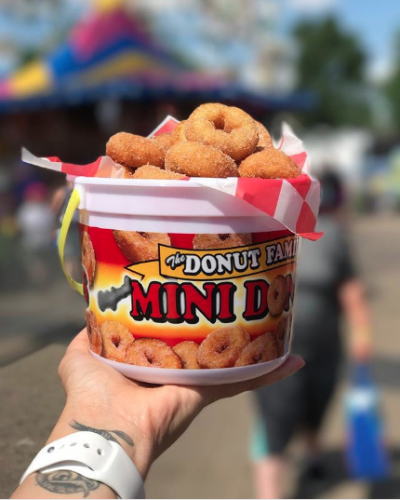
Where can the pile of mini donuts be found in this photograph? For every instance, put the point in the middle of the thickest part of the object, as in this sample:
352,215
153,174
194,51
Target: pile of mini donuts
215,141
226,347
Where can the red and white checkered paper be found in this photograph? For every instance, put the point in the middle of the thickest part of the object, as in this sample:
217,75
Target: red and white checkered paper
292,202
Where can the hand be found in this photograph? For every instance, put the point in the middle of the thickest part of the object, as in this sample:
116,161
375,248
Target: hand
153,417
360,347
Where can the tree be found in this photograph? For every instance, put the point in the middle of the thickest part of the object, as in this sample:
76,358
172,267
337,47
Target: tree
392,86
331,63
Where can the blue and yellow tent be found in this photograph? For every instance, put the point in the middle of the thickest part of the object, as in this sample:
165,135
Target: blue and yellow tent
110,54
106,50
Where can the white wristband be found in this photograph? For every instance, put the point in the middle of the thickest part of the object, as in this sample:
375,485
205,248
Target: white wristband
94,457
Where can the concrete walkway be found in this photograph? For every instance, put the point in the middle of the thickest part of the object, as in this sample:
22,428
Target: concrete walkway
211,459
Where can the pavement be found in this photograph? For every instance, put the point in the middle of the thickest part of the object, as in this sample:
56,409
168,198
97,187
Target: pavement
211,460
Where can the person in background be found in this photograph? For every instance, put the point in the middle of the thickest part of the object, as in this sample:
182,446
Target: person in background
327,286
35,223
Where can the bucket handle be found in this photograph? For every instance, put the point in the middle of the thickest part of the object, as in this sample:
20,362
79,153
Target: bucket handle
73,204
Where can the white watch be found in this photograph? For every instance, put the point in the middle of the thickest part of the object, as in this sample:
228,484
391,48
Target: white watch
94,457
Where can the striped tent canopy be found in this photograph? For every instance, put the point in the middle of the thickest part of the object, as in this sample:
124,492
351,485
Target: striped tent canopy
109,54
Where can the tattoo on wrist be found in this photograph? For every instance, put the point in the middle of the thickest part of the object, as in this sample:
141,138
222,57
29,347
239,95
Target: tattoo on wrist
103,432
66,483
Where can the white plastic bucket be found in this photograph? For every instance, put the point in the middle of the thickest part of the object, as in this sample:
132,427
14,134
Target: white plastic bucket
183,211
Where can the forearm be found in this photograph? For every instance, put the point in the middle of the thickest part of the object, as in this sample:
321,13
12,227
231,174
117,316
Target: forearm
67,484
352,298
357,314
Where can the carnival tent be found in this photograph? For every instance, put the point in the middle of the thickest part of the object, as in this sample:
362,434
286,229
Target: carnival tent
110,54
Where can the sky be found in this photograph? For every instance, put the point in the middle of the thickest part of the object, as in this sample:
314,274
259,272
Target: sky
376,23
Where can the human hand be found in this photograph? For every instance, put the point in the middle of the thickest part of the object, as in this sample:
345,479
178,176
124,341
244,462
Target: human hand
361,346
144,419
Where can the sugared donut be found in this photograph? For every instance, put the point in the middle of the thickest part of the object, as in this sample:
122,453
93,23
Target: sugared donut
139,246
260,350
134,151
226,128
187,351
222,347
195,160
264,140
276,295
152,353
178,134
271,163
164,140
217,241
116,339
88,257
151,172
93,332
282,333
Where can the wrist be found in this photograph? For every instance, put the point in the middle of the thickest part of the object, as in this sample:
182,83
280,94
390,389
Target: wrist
83,462
111,425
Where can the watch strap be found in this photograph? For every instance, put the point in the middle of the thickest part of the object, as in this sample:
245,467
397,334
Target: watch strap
94,457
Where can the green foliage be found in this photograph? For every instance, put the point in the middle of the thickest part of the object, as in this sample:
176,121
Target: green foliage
392,86
331,63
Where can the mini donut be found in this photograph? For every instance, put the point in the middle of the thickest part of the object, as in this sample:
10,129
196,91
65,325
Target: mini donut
217,241
271,163
93,332
264,139
163,140
152,353
260,350
282,332
134,151
187,351
151,172
195,160
222,347
276,295
178,134
116,339
139,246
226,128
88,257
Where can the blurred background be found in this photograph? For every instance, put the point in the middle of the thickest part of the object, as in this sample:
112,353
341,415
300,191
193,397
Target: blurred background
73,72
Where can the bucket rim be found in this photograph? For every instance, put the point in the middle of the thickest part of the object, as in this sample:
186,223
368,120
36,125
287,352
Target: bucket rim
109,181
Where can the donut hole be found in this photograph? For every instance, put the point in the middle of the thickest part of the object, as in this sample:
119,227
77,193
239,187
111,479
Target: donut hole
116,340
257,357
223,237
219,123
143,235
222,347
151,358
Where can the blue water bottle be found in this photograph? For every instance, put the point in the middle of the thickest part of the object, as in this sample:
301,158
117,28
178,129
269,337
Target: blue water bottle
366,455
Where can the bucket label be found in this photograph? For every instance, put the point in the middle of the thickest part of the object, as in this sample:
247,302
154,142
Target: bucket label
220,264
177,288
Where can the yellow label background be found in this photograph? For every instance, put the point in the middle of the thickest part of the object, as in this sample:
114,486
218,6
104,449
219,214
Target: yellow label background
108,276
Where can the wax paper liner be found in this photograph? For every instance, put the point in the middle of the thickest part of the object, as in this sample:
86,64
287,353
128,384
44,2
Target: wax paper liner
292,202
